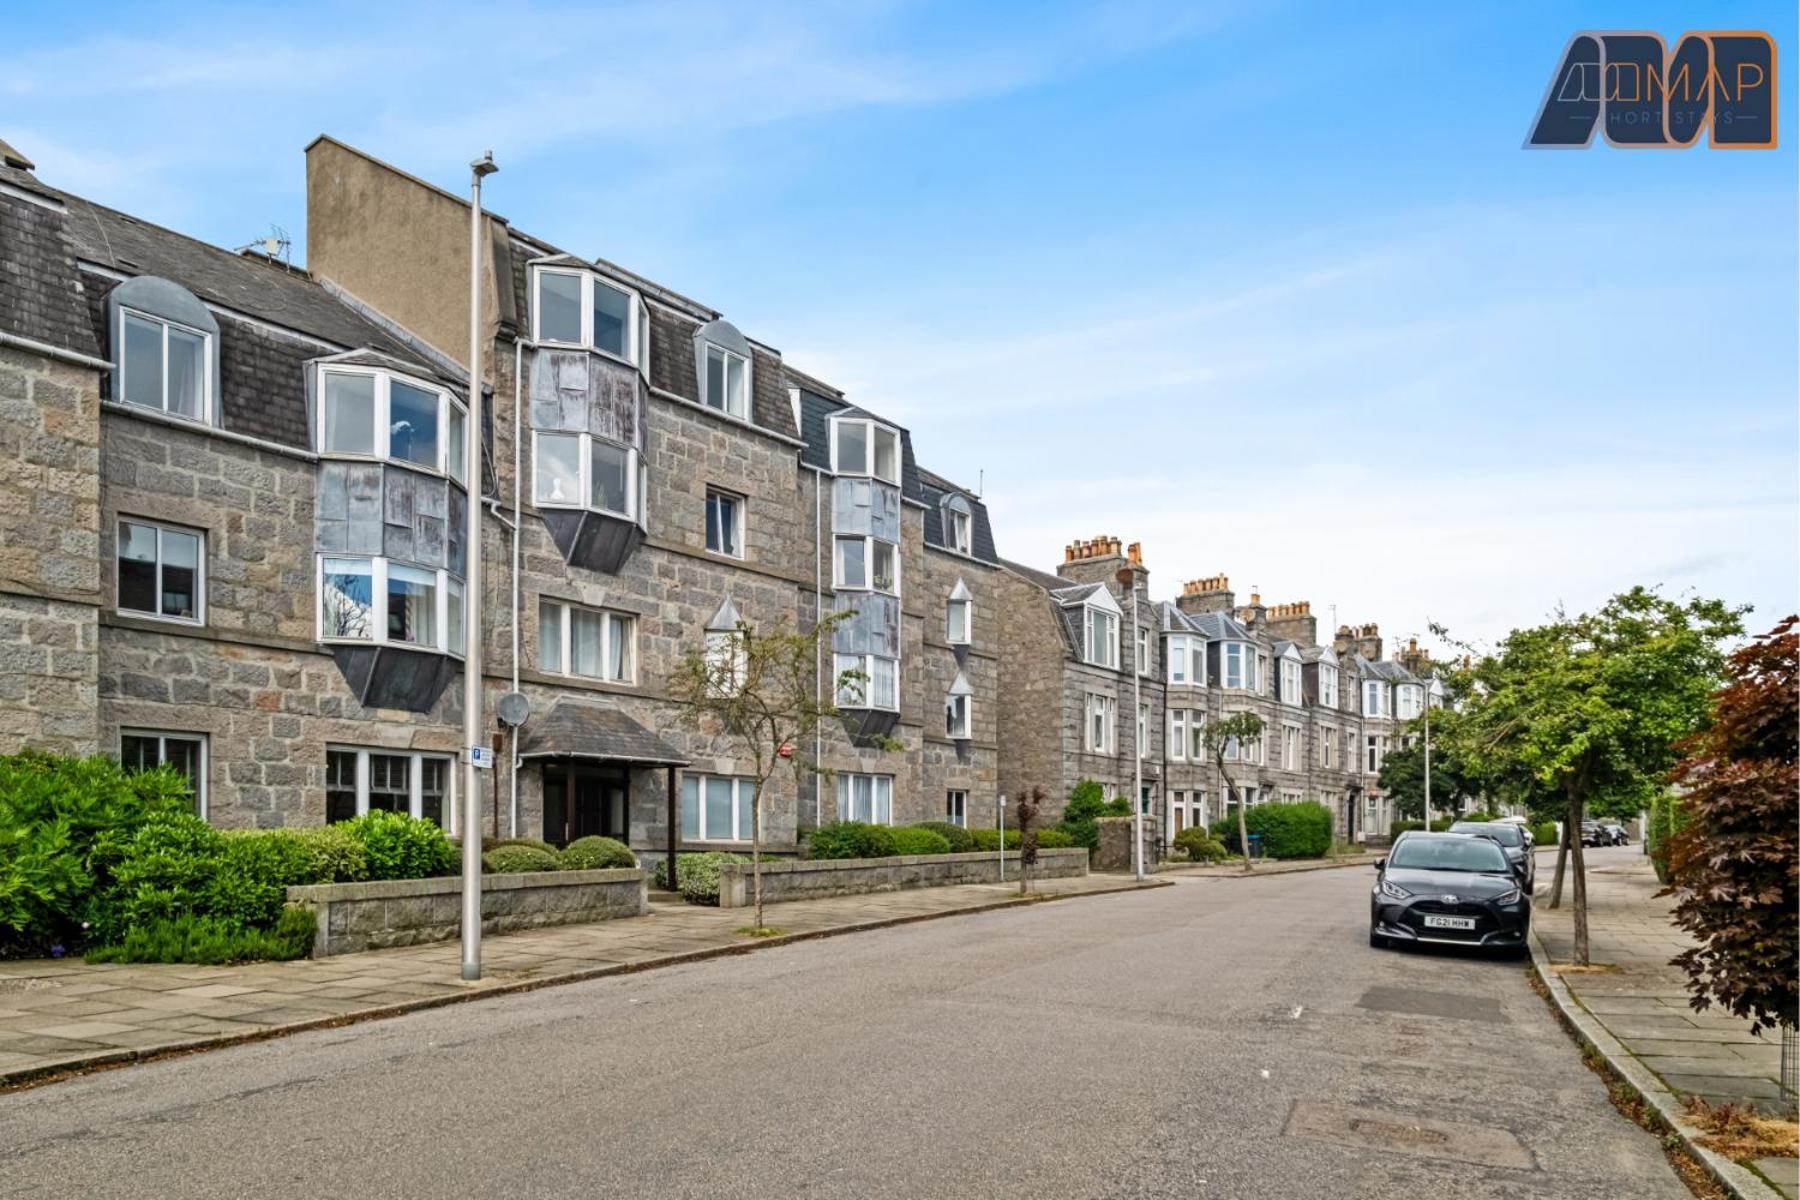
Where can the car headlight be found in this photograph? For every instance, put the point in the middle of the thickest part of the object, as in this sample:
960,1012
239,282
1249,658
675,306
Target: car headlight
1394,891
1509,897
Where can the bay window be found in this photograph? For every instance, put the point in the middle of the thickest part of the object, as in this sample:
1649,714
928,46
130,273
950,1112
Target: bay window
865,448
586,643
359,781
579,470
372,413
365,599
727,382
866,798
716,808
1101,636
578,308
164,366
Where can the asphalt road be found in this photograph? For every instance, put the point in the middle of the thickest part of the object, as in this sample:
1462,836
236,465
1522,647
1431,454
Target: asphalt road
1213,1039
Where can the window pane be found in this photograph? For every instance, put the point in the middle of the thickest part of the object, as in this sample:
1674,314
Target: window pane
884,573
887,455
412,424
412,605
734,386
142,365
853,447
715,377
453,604
718,809
187,366
137,567
457,449
611,467
612,316
349,414
550,649
390,785
584,640
340,785
559,307
619,648
138,752
434,775
852,571
558,468
346,598
180,574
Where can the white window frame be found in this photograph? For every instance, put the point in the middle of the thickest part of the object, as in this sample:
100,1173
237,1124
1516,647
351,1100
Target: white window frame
208,365
1101,713
870,431
565,617
968,622
415,779
956,807
1292,687
743,796
869,541
962,526
1328,685
881,796
1089,612
738,504
202,760
965,728
866,664
381,439
584,463
637,338
161,527
742,411
378,614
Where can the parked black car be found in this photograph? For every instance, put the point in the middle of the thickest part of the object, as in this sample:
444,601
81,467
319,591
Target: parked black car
1448,888
1512,843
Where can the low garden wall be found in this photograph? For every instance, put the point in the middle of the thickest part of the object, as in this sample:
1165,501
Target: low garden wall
407,912
807,879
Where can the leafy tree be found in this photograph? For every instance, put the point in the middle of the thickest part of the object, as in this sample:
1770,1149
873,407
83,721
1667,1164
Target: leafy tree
760,691
1591,708
1736,866
1230,733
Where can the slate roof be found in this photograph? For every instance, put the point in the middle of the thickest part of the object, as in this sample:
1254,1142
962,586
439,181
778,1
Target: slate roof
932,490
580,728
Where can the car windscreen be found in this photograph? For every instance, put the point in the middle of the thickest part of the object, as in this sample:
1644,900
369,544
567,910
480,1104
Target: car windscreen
1506,835
1448,854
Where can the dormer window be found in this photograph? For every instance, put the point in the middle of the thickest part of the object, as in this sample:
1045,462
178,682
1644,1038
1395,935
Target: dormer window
580,470
865,448
727,382
165,366
579,308
1102,636
378,414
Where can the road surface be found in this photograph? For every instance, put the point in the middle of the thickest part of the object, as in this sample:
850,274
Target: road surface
1218,1038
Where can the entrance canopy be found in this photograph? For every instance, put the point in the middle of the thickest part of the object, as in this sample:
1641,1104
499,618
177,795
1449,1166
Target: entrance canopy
575,728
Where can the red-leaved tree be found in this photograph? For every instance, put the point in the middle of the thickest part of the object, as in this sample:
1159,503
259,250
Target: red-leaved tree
1736,867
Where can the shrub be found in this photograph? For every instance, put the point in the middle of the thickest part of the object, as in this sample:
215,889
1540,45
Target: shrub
398,847
956,835
699,874
212,940
1300,830
1200,846
597,854
63,825
513,860
850,839
910,839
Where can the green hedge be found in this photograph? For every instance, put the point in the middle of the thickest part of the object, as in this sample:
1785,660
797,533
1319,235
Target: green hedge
1300,830
910,839
850,839
956,835
595,853
516,860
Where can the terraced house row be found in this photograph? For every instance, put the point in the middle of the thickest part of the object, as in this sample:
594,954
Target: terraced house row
231,539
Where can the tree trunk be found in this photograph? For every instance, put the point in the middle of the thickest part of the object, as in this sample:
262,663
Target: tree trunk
1562,857
1576,809
756,850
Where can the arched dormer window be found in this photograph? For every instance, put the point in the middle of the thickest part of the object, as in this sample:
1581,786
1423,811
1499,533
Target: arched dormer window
574,306
165,347
723,358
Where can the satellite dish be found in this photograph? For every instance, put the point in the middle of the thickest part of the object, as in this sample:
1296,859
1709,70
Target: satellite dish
513,709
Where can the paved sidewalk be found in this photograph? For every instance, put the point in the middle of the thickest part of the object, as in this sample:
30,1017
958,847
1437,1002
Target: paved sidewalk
65,1014
1644,1005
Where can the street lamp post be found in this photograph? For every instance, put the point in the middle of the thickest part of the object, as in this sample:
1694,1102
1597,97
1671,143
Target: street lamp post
472,740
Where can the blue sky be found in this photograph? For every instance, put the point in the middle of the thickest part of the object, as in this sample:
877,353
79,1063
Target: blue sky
1272,289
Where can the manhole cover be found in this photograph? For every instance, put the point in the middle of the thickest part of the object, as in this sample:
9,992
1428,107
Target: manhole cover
1399,1133
1454,1005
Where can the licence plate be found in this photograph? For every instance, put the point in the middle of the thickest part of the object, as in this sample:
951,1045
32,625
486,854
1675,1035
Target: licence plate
1449,922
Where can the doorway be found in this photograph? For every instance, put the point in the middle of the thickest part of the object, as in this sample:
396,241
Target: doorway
586,799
